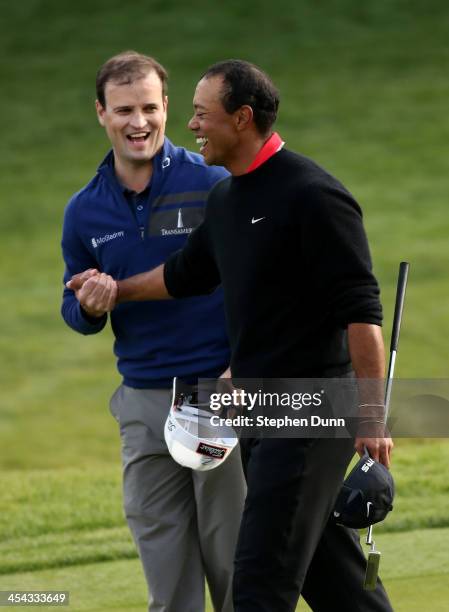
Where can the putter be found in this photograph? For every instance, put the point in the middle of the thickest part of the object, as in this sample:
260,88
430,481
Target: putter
372,566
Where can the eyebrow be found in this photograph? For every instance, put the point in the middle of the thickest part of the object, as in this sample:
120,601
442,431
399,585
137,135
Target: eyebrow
199,106
126,106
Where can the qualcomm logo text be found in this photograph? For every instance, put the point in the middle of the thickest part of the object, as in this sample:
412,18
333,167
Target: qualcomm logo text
96,242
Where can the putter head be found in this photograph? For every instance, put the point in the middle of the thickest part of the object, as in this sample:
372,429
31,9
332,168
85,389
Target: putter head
372,570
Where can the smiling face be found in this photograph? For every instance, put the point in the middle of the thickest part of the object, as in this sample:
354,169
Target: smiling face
134,117
215,129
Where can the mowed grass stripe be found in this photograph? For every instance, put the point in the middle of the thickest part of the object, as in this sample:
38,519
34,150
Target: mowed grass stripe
414,568
54,518
58,550
39,502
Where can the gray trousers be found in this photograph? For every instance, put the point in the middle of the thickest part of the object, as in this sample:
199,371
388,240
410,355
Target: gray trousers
185,523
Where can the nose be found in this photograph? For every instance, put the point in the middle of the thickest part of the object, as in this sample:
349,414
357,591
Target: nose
138,120
193,123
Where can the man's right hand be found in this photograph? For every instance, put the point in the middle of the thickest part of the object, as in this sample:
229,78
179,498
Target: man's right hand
78,280
95,291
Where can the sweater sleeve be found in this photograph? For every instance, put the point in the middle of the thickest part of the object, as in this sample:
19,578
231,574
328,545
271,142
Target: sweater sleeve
77,259
335,247
192,270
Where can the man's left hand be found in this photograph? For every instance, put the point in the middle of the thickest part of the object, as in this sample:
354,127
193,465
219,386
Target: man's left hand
379,448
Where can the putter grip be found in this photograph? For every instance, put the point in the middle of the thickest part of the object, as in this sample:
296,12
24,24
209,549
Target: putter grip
372,570
399,306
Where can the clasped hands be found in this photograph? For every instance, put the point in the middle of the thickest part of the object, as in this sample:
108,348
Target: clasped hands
95,291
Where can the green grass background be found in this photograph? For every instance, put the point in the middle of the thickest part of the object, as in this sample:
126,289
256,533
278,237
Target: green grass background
364,90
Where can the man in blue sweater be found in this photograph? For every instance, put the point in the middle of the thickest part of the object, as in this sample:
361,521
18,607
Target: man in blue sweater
145,199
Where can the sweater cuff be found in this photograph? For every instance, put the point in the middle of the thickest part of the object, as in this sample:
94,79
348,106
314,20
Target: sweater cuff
92,322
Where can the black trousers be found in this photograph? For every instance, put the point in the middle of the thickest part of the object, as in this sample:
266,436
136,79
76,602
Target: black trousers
287,547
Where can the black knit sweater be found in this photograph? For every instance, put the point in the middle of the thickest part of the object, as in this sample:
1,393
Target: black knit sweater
287,243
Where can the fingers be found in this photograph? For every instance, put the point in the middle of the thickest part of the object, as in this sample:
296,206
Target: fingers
359,447
111,294
380,449
78,280
385,451
98,294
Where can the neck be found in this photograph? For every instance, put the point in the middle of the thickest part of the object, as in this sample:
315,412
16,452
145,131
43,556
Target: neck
133,176
245,154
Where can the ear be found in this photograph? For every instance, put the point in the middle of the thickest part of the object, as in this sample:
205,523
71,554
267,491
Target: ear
100,112
244,117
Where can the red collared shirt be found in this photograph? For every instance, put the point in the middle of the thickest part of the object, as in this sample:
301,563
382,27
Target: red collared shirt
270,147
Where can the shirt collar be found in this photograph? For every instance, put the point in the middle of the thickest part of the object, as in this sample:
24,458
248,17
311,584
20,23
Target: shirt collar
269,148
127,191
162,160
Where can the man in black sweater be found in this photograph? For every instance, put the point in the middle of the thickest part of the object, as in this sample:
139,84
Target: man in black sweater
286,241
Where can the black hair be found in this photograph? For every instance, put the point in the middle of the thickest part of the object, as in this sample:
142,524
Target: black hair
247,84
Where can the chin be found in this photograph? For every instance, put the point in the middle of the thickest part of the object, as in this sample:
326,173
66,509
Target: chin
141,157
210,160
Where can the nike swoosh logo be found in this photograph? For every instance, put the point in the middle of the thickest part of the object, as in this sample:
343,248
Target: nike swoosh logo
257,220
368,504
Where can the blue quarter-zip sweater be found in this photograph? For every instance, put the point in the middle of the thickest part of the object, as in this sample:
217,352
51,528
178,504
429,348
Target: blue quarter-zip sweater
154,341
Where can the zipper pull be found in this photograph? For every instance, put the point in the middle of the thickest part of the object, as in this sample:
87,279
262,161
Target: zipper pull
142,231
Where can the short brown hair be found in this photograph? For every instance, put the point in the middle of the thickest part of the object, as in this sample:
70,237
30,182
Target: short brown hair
127,67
